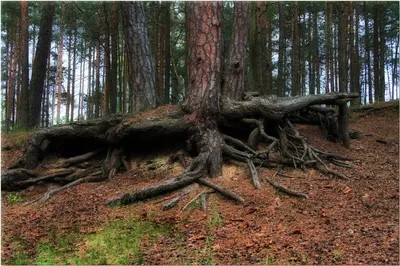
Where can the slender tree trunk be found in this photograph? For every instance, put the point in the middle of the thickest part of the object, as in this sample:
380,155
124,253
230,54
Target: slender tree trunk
60,65
33,42
97,97
342,42
261,47
11,78
302,57
235,70
161,68
167,10
89,85
73,77
354,67
39,65
23,115
395,73
353,85
53,94
316,49
357,55
7,75
382,50
253,85
282,41
311,55
68,103
269,48
377,54
368,57
328,47
114,50
295,50
82,82
125,84
93,82
140,64
107,62
155,47
46,95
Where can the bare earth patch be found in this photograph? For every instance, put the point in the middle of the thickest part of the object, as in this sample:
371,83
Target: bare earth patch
342,222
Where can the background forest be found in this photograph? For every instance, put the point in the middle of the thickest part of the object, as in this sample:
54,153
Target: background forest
294,48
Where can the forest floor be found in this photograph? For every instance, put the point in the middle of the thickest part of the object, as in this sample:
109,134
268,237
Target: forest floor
342,222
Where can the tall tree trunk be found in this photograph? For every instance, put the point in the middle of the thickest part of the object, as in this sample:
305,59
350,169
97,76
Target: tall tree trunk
23,115
252,83
46,95
33,44
316,49
107,62
301,56
161,68
395,73
354,63
60,65
235,70
261,47
89,85
7,75
73,76
282,41
140,64
68,103
382,50
377,54
167,14
125,84
269,66
311,55
121,64
155,47
97,97
357,55
53,93
295,50
11,77
328,46
39,65
114,50
368,52
202,99
342,42
82,82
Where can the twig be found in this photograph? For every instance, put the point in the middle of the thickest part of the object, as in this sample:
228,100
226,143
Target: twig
196,197
285,189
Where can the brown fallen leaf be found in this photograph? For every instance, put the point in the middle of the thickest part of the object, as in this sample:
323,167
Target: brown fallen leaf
236,219
197,237
346,190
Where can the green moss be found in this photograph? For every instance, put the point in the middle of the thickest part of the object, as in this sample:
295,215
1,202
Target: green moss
117,243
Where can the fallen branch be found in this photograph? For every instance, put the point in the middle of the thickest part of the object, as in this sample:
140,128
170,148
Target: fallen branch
221,190
172,203
77,159
285,189
94,177
254,174
48,177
